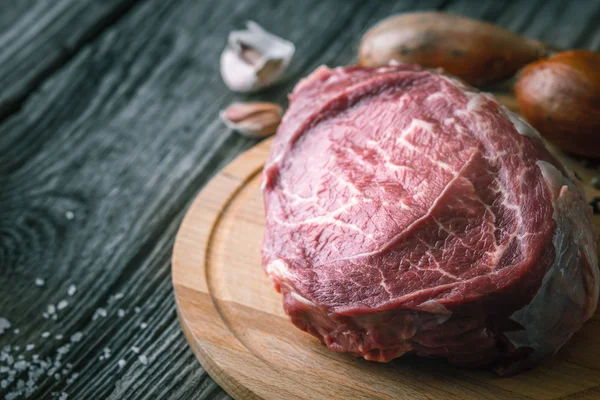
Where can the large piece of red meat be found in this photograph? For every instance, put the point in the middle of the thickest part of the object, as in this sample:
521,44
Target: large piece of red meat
407,213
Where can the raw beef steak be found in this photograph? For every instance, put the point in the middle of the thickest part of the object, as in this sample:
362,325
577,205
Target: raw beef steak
407,213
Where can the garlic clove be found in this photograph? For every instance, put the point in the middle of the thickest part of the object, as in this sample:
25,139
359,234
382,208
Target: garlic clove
253,119
254,58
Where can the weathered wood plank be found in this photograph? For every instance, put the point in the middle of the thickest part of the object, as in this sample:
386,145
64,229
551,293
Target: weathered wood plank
37,37
122,137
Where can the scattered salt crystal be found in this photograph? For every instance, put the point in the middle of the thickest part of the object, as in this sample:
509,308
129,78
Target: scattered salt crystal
4,325
45,315
136,310
57,376
76,337
39,282
121,363
143,359
62,304
118,296
71,290
121,313
11,396
3,384
106,351
59,337
143,325
45,334
29,347
72,378
69,215
16,331
50,309
20,365
16,348
100,312
64,349
63,396
54,317
135,349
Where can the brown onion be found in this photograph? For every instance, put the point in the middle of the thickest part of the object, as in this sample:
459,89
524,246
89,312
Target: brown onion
475,51
560,96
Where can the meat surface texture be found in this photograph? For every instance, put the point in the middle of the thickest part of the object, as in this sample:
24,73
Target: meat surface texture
407,213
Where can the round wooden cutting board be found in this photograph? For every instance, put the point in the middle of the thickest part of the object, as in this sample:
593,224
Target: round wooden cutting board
234,322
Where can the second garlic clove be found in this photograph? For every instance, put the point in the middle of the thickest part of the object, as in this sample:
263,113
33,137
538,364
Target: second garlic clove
253,119
254,59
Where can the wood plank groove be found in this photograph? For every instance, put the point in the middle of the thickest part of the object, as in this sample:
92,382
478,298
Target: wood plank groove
44,37
109,111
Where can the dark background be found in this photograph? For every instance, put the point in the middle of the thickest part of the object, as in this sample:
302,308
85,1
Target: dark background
109,127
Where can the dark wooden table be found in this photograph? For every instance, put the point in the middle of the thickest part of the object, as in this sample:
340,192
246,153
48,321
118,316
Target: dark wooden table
108,128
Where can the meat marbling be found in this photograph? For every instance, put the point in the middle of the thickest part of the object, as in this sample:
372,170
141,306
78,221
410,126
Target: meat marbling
407,213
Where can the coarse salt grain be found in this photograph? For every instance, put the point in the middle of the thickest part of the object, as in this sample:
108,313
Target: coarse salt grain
135,349
29,347
121,363
118,296
72,378
143,325
121,313
45,334
100,312
21,365
143,359
136,309
69,215
39,282
50,309
71,290
64,349
62,304
76,337
4,325
16,331
59,337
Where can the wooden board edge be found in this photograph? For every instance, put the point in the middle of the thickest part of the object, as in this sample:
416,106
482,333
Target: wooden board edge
234,176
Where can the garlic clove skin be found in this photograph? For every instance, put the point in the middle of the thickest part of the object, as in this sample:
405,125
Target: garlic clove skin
254,59
253,119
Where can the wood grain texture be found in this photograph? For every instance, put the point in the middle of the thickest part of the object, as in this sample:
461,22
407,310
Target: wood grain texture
235,323
123,133
38,37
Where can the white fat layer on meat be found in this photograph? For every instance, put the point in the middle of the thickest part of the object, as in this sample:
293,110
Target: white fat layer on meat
521,126
475,101
302,299
554,178
439,311
568,294
277,268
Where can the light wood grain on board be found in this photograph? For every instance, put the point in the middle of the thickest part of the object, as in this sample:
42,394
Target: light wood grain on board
235,323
